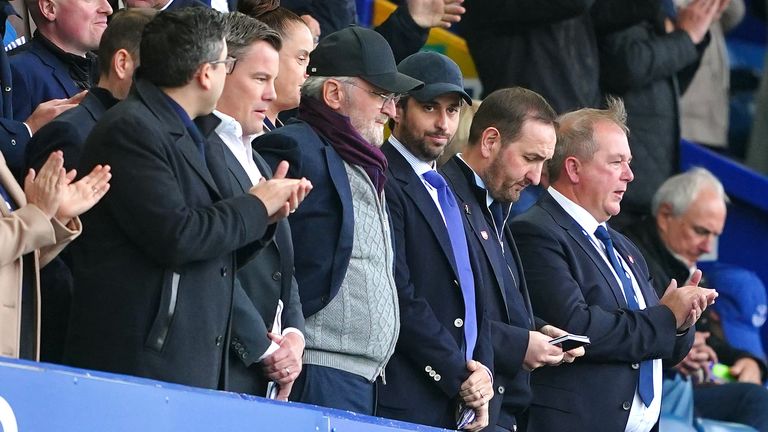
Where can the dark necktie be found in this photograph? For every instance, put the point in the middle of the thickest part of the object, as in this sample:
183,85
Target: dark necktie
645,382
199,140
461,255
498,217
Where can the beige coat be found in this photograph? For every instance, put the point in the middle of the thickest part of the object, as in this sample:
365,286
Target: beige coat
26,230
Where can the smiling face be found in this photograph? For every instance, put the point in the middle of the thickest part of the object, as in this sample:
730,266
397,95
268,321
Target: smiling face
603,180
294,58
76,25
250,88
518,164
425,128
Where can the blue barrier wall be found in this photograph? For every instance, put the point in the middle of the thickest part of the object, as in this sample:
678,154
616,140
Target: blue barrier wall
39,397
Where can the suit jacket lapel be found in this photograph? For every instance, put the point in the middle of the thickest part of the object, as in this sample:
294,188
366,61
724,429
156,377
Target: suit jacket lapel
580,236
523,286
412,186
473,214
58,70
649,293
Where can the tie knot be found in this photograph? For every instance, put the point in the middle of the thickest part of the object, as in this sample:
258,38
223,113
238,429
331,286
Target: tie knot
435,179
602,234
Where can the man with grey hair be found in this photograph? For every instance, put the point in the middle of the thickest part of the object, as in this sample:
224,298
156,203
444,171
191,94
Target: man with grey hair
591,280
689,211
344,256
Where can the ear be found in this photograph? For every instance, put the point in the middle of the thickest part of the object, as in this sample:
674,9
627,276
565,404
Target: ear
664,217
122,64
334,94
490,142
47,9
572,169
205,76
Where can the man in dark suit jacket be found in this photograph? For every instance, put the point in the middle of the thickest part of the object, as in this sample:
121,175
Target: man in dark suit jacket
598,285
512,135
154,277
118,57
58,62
267,323
344,257
441,325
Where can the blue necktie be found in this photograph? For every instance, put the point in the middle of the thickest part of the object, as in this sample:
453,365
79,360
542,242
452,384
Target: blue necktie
461,255
645,382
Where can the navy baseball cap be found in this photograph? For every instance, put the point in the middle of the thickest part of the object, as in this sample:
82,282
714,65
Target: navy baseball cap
360,52
741,306
439,73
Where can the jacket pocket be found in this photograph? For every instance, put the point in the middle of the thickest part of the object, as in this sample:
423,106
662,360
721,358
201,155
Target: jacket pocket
158,333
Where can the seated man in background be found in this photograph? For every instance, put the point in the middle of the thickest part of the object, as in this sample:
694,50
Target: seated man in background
689,214
593,281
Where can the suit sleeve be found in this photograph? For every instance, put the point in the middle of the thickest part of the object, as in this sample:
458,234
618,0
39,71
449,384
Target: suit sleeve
618,335
51,137
249,333
422,337
14,137
151,207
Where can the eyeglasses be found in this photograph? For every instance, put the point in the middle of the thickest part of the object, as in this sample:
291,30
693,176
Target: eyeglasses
229,64
385,97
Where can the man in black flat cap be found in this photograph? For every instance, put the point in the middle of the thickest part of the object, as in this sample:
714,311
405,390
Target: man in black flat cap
343,248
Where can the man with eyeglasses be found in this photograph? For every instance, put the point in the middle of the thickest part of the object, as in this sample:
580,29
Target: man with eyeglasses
341,234
154,274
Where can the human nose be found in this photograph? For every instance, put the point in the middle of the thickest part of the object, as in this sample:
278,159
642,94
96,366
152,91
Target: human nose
389,108
106,7
628,175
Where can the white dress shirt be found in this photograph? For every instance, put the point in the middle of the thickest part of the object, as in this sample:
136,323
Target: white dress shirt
230,131
641,418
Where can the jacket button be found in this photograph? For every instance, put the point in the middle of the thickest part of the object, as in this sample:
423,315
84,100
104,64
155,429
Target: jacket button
428,369
324,299
458,322
7,88
13,142
438,377
224,272
245,354
502,389
432,373
219,339
626,406
635,366
276,276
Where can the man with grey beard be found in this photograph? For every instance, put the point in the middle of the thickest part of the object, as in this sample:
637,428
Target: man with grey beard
343,249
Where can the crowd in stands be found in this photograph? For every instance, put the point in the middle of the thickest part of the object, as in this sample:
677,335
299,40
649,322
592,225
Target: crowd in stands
235,218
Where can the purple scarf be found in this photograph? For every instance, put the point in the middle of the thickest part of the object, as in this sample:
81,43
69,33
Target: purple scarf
347,142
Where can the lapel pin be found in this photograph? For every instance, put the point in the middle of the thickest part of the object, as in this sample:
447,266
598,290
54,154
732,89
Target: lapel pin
631,260
484,234
466,209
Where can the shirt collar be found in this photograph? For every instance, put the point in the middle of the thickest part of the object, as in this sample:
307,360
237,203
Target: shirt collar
481,184
230,126
577,212
418,165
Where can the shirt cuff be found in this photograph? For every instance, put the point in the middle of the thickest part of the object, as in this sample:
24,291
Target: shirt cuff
28,128
296,331
489,372
271,350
